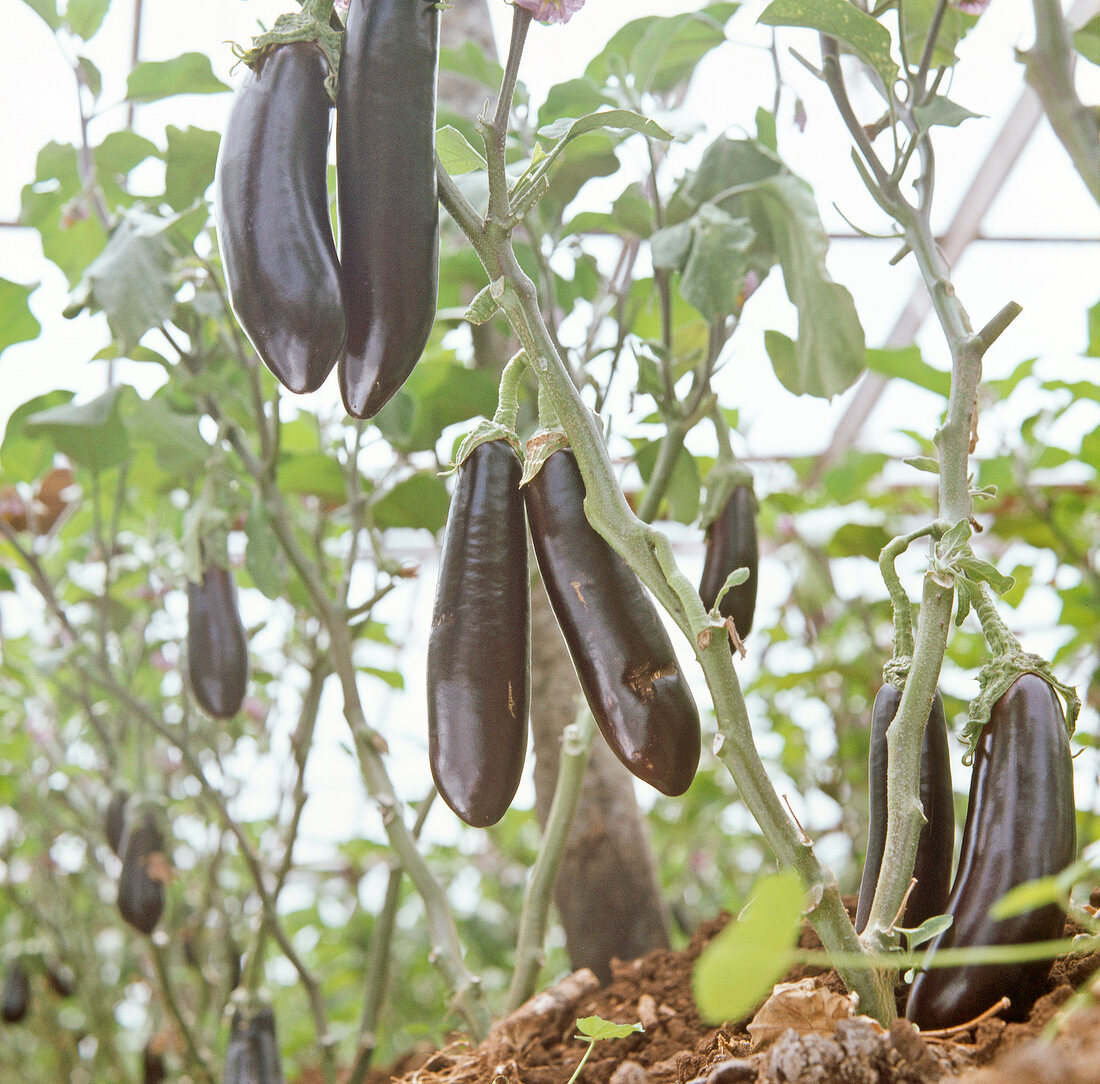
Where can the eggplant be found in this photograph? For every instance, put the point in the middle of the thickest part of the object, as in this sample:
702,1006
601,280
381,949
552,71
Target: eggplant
144,865
252,1056
731,544
217,653
15,1001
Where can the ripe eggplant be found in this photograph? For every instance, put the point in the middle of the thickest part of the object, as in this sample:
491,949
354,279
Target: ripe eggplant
253,1053
386,191
935,848
731,544
144,871
620,649
114,820
274,227
217,654
479,648
16,998
1021,824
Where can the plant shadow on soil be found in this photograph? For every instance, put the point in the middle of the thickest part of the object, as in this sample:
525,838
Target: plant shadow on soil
536,1044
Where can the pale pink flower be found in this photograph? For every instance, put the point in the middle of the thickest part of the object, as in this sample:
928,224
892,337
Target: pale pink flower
551,11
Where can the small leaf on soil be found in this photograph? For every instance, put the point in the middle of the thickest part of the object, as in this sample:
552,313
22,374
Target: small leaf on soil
596,1028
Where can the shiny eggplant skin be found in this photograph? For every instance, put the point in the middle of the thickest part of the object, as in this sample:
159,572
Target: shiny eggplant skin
479,647
386,191
731,544
1020,825
15,1001
936,846
141,884
252,1056
620,649
274,228
217,653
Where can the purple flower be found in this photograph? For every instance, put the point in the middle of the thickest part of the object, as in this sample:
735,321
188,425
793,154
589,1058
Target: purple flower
551,11
970,7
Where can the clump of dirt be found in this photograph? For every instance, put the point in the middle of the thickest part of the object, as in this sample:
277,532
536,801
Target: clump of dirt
536,1044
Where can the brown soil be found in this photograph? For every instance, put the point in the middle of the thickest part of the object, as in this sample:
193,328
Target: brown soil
536,1045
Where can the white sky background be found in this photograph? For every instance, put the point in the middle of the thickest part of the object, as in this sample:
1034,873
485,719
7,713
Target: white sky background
1054,282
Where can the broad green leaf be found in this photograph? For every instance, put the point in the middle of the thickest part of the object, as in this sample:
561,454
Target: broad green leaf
47,9
573,98
189,73
1027,897
85,17
917,16
842,20
929,928
566,129
263,557
17,322
942,111
597,1028
314,474
713,276
189,165
1093,348
473,62
829,353
118,154
857,540
419,501
92,76
91,434
725,164
393,678
741,965
131,280
1087,40
25,456
456,153
177,443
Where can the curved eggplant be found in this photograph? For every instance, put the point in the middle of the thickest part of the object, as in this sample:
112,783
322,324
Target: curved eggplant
144,869
217,653
936,846
479,648
15,1001
274,228
731,544
1021,824
620,649
386,190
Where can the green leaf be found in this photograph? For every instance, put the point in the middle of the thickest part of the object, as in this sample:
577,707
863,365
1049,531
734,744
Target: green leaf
954,25
982,571
473,62
189,73
91,434
929,928
737,577
47,9
456,153
189,165
393,678
829,353
573,98
25,456
17,322
92,76
713,277
842,20
564,131
906,363
1087,40
597,1028
924,463
263,557
85,17
178,445
1027,897
1093,348
741,965
312,474
419,501
942,111
131,279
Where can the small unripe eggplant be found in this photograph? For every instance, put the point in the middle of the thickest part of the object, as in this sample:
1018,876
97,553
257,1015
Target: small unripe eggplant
61,979
144,871
620,649
936,846
253,1053
731,544
1021,824
217,653
114,820
16,998
479,647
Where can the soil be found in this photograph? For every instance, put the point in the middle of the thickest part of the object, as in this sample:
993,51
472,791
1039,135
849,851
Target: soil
536,1044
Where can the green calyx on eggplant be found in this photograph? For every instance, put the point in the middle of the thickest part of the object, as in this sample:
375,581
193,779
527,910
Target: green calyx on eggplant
386,191
252,1056
217,652
1021,825
731,544
15,1000
622,654
479,646
145,870
935,847
274,228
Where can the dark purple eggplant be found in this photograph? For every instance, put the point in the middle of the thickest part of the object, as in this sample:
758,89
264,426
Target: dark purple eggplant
217,654
386,190
144,871
731,544
1021,825
15,1001
61,979
274,227
114,819
936,846
153,1069
479,647
252,1056
620,649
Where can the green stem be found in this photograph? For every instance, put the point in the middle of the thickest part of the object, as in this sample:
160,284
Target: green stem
576,746
507,410
672,442
899,597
